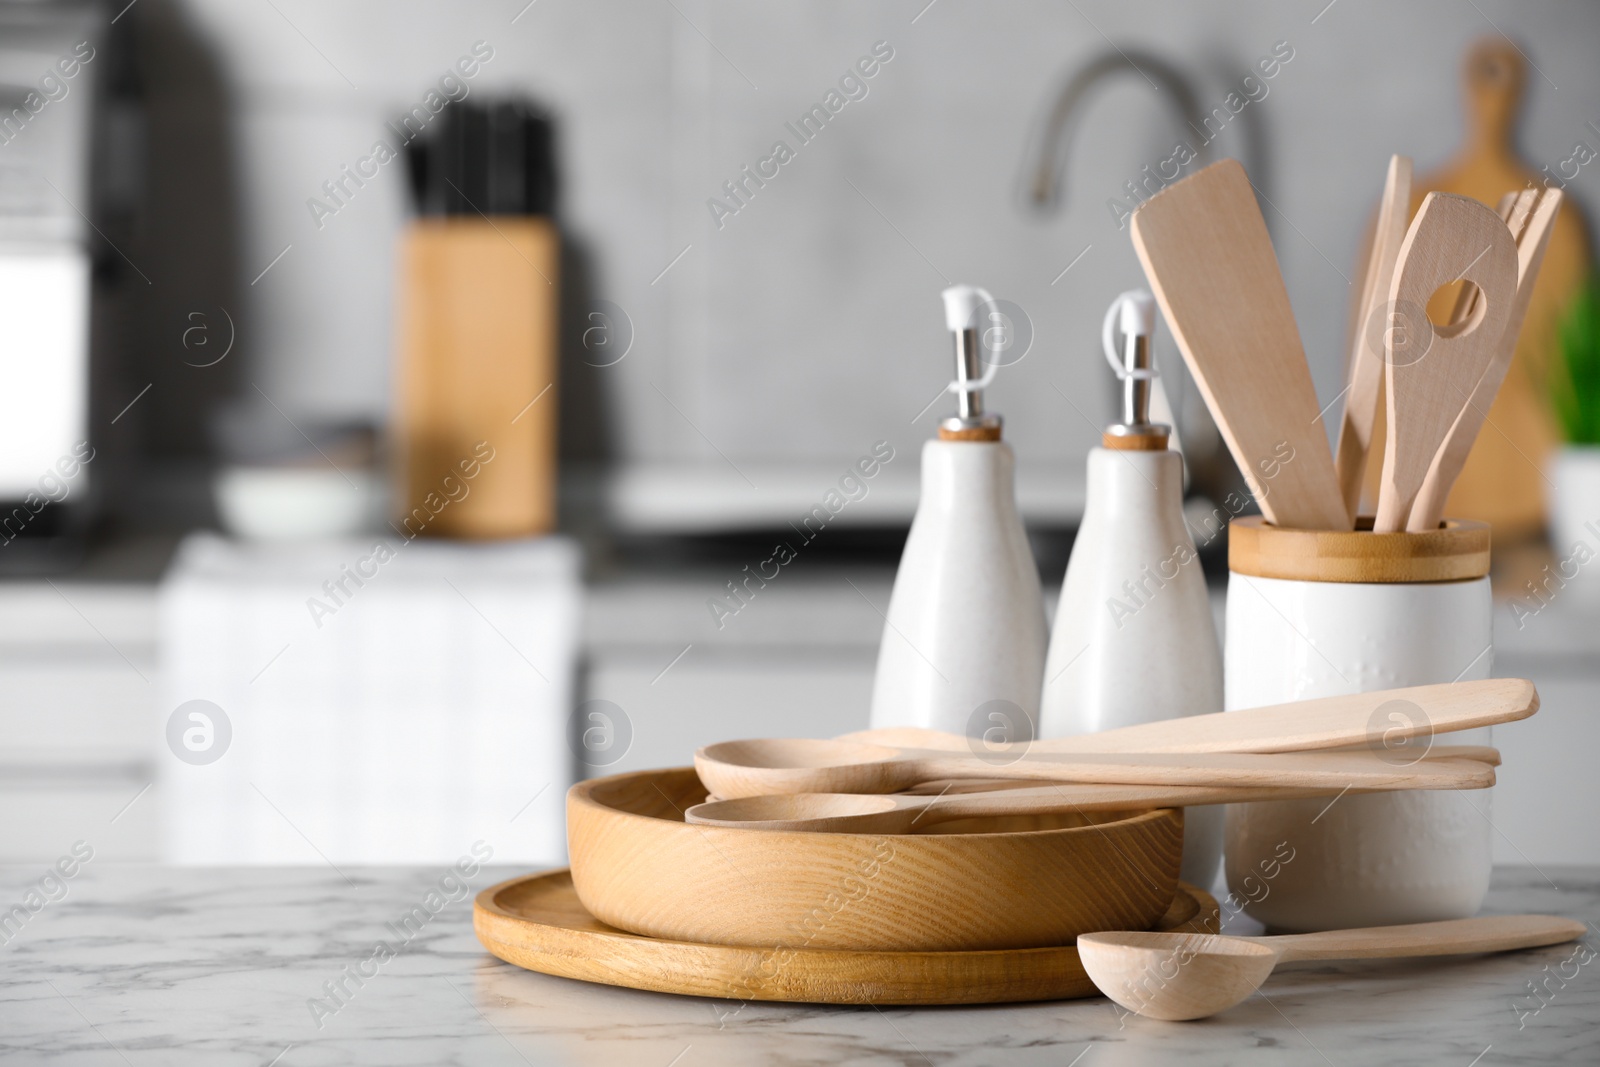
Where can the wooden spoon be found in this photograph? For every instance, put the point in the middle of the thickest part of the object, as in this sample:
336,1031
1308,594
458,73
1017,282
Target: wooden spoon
899,813
733,769
919,737
1531,218
1209,260
1190,976
1304,725
1431,370
1366,342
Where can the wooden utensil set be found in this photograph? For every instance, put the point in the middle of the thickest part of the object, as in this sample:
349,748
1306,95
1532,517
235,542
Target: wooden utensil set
908,866
1204,247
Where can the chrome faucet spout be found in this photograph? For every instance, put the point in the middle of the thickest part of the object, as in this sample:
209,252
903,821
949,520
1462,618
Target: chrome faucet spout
1046,177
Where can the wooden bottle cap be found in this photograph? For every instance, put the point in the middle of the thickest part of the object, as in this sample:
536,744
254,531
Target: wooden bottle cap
1457,551
1134,442
970,433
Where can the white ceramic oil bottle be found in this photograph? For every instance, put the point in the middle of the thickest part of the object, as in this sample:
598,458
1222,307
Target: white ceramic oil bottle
964,640
1134,640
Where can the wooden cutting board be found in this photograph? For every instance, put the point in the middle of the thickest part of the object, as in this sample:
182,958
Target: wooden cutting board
1503,481
537,922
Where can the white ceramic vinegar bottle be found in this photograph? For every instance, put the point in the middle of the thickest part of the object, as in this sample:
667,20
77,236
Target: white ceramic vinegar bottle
1134,640
964,642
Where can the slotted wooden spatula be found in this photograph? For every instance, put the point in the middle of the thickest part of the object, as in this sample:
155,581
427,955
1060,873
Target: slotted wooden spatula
1431,371
1530,218
1205,250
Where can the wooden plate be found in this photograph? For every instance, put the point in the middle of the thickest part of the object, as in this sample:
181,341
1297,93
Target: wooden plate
537,922
1032,881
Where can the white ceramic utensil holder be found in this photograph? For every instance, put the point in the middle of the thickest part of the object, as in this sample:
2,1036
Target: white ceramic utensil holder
1322,613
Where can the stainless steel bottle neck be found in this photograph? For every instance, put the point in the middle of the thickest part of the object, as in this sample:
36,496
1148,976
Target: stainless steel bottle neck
1136,386
969,368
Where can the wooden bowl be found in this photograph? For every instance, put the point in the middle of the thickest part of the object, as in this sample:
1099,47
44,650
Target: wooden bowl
1014,882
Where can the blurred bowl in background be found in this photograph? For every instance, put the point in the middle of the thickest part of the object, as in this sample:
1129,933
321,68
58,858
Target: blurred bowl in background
297,503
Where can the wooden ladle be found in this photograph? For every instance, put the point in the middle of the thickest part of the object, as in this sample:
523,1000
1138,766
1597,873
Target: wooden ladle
733,769
1192,976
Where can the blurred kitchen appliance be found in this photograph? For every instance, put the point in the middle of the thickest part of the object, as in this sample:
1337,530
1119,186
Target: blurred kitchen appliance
476,421
47,79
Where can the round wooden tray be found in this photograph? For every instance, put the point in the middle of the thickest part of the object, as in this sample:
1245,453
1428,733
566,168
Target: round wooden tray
537,922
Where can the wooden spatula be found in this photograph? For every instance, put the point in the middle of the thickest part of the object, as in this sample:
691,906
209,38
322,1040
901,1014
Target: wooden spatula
1431,371
1530,216
1205,250
1366,339
1416,712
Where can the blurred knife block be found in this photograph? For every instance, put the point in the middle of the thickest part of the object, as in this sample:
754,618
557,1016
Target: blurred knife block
478,325
478,364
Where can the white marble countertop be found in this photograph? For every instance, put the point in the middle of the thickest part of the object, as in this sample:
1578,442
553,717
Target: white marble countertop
151,965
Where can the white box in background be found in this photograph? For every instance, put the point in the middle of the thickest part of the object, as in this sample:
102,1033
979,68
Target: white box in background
397,721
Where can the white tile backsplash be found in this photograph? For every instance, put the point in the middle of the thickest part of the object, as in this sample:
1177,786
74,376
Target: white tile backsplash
808,325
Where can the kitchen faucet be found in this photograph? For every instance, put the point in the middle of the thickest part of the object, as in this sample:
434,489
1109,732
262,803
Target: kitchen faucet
1044,189
1210,468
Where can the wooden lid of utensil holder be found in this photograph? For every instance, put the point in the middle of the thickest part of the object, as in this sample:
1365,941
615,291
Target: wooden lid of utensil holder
1457,551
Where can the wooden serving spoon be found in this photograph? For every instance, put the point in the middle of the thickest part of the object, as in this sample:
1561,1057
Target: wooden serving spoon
1430,370
899,813
1531,217
1299,726
1191,976
733,769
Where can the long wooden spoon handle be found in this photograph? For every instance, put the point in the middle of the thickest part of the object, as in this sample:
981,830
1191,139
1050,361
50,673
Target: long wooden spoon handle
1076,797
1388,715
1496,933
1300,770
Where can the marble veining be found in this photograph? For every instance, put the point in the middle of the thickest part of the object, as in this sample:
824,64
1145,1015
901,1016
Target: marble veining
151,965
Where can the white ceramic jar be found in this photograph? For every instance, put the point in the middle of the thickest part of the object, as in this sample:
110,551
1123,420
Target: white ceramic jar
1322,613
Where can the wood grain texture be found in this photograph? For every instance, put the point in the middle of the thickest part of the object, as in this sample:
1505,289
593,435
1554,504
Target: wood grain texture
1308,725
1013,882
1364,377
1456,551
973,433
538,922
1452,937
767,766
1501,482
1431,370
1530,218
476,377
1134,442
1191,976
921,737
1208,258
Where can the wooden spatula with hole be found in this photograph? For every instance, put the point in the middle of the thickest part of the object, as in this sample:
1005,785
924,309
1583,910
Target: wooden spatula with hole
1531,217
1431,371
1209,260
